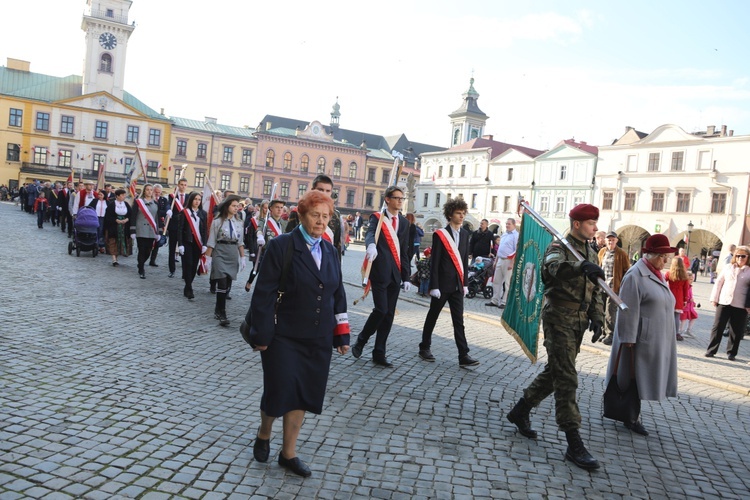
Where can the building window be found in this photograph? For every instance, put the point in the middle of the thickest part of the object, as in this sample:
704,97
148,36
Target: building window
386,177
100,161
563,172
629,204
152,169
463,170
270,156
506,204
653,162
321,165
132,135
352,170
267,187
450,171
16,117
154,137
304,164
425,202
350,193
200,179
110,13
607,198
64,158
369,199
177,175
42,121
657,202
202,148
577,200
683,202
493,204
14,152
474,200
228,155
337,168
247,156
544,204
718,203
510,173
285,189
677,161
181,148
225,182
437,200
559,205
440,171
630,166
287,160
40,155
67,124
371,175
128,165
100,130
105,63
301,190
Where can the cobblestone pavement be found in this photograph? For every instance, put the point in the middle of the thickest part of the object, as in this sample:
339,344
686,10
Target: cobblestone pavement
116,387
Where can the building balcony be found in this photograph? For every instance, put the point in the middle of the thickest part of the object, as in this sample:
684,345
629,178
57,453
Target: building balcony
108,15
52,172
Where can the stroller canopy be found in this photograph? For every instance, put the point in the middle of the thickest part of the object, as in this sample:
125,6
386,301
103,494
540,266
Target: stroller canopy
86,220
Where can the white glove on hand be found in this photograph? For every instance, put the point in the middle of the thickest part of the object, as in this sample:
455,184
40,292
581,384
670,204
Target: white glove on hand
435,293
406,286
169,213
208,263
181,250
133,236
59,209
466,291
203,249
157,238
372,252
243,263
261,240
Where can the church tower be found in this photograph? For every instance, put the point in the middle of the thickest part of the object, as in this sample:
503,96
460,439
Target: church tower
335,115
107,32
468,121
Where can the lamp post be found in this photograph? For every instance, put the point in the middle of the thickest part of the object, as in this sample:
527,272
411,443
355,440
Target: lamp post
690,230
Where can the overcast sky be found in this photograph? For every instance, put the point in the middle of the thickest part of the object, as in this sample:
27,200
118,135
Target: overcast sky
545,70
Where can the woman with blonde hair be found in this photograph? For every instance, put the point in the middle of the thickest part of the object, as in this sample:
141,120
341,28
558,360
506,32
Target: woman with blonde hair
679,284
730,297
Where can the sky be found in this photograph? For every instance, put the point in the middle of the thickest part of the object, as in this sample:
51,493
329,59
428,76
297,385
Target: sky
545,70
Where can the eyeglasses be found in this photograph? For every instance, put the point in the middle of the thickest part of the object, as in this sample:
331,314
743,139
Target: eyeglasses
741,256
397,198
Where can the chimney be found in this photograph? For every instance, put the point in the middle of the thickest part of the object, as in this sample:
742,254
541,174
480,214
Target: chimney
296,131
710,130
268,125
161,112
731,133
488,137
211,120
628,128
19,65
723,131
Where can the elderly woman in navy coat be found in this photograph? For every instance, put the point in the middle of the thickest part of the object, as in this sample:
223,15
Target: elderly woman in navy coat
296,341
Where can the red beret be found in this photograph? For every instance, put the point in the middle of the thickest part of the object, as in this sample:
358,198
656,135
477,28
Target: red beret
583,212
658,243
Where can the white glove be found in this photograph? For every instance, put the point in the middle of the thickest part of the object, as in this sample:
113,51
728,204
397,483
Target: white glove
133,236
435,293
157,238
203,249
406,286
181,250
243,263
208,263
372,252
169,213
466,291
59,209
261,240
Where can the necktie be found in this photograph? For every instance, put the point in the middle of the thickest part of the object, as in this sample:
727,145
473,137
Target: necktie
316,253
393,222
182,199
231,232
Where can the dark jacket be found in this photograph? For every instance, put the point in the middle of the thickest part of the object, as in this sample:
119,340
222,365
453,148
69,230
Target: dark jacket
110,218
481,243
384,267
173,221
185,233
162,204
443,273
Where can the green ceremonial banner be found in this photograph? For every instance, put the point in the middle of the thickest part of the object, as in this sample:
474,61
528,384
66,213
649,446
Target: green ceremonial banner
523,308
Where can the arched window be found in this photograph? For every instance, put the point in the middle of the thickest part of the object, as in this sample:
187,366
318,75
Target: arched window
105,63
287,160
337,168
321,165
455,136
352,170
270,155
304,164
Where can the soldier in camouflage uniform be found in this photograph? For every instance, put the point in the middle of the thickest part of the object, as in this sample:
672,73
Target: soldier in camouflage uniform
573,303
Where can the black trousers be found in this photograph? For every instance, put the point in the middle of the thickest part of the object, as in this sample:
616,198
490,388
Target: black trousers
145,245
736,317
455,301
66,220
172,249
190,263
384,297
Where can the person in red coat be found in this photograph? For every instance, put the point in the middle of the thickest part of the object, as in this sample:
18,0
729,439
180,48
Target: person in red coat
679,284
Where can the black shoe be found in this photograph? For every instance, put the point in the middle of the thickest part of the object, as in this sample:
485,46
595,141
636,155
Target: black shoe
491,304
709,355
295,465
223,321
357,349
171,275
228,297
115,264
382,362
501,306
426,355
467,360
153,264
607,340
731,357
261,449
519,416
637,427
142,274
577,452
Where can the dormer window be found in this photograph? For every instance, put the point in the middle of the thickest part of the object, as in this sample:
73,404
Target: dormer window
105,63
110,13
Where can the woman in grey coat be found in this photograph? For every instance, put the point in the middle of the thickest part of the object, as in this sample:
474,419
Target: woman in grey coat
144,228
647,329
226,252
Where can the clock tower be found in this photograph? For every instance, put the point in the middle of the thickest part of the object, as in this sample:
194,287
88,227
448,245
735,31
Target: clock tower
468,121
107,32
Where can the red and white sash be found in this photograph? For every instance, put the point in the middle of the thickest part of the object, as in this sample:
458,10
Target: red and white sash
391,238
196,233
274,226
180,208
451,246
328,235
146,213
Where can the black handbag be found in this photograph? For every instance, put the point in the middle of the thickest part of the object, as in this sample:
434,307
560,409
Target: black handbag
286,267
623,405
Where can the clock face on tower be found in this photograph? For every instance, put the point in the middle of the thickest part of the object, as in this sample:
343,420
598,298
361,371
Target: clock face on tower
108,41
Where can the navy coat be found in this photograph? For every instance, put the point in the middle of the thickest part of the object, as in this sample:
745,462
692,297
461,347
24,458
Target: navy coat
384,268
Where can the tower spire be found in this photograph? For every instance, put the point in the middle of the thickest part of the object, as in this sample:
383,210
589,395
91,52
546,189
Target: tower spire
468,121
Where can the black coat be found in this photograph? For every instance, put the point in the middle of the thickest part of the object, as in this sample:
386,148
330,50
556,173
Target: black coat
110,220
185,234
173,221
443,273
384,267
481,243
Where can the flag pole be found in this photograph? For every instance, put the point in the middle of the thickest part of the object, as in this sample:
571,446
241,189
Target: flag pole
174,198
254,272
554,232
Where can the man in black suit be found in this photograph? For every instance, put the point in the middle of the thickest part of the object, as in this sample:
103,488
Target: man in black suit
172,228
66,219
481,241
390,270
448,279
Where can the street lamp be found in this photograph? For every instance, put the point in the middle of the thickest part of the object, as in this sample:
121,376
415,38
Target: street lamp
690,230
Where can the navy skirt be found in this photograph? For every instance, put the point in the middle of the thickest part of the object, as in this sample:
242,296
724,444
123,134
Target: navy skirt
295,375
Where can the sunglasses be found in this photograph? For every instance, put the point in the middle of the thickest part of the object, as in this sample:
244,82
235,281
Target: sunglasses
741,256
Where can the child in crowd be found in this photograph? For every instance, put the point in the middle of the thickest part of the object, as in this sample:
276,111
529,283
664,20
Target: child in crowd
689,312
41,205
423,272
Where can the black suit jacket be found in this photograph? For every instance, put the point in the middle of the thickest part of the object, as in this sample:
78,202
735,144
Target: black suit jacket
184,233
384,267
172,226
443,274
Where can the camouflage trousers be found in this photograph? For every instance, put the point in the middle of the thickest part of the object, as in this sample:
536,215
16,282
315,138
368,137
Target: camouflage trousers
610,315
559,376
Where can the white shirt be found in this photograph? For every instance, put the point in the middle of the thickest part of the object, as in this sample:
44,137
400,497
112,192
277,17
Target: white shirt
508,243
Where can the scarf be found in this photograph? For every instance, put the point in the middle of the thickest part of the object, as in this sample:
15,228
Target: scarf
314,245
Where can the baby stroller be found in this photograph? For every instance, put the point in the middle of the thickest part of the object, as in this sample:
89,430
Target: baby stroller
480,273
84,232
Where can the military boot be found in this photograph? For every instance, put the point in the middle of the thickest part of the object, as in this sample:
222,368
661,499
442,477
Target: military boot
577,452
519,416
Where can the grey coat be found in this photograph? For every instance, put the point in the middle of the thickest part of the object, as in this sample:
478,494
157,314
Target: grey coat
649,323
139,225
225,254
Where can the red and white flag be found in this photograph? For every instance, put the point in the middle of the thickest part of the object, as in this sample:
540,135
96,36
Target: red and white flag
136,173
